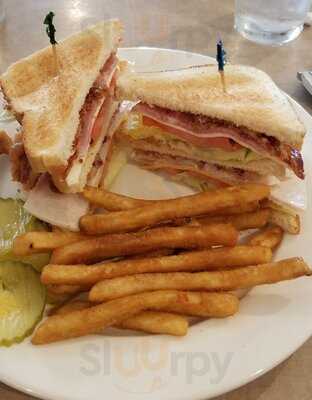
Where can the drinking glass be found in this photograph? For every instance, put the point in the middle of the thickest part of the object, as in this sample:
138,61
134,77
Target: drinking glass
272,22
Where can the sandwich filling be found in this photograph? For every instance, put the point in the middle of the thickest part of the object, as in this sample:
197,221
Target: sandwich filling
209,143
173,165
97,111
99,170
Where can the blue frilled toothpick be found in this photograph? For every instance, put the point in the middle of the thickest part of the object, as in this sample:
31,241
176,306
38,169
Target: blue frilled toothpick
221,59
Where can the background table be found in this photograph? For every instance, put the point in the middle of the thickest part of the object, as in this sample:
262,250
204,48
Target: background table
180,24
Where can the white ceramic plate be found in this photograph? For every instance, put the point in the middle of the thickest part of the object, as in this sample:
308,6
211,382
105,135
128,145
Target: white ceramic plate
215,357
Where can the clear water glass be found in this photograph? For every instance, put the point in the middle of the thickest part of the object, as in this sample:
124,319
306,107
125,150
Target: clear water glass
272,22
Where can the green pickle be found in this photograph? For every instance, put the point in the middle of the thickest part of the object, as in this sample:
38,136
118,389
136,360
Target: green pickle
14,221
22,301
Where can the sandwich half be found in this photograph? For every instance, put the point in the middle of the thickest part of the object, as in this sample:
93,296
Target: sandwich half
65,113
186,126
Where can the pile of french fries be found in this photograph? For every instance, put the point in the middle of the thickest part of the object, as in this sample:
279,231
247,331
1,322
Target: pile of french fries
148,265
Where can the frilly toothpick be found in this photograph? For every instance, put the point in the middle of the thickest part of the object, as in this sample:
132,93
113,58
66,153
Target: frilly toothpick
50,30
221,59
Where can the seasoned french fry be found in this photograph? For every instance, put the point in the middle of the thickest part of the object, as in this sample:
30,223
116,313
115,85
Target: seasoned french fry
113,201
270,237
91,320
251,220
66,289
187,237
42,242
152,254
238,209
156,322
209,259
218,280
117,202
205,305
195,304
69,306
188,206
146,321
56,298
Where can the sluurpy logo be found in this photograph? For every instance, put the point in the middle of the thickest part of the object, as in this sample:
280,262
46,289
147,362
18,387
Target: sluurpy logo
145,365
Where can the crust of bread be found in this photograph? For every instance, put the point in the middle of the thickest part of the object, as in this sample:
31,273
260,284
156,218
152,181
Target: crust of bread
49,102
251,99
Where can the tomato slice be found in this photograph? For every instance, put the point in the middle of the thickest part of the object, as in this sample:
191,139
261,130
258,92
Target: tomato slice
223,143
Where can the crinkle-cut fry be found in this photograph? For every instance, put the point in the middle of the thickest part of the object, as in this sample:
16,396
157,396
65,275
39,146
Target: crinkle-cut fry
185,237
188,206
91,320
270,237
210,259
42,242
251,220
211,281
146,321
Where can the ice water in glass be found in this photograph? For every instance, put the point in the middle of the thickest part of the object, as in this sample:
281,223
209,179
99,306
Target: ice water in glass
272,22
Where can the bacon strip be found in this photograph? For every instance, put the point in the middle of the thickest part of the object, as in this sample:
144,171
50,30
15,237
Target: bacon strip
198,129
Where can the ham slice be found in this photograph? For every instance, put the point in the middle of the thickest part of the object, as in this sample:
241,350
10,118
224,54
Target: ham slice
62,210
199,130
107,72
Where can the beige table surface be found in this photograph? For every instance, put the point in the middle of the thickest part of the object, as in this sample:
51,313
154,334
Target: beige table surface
188,25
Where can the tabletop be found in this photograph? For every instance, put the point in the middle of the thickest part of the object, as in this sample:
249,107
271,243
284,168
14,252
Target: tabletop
186,25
